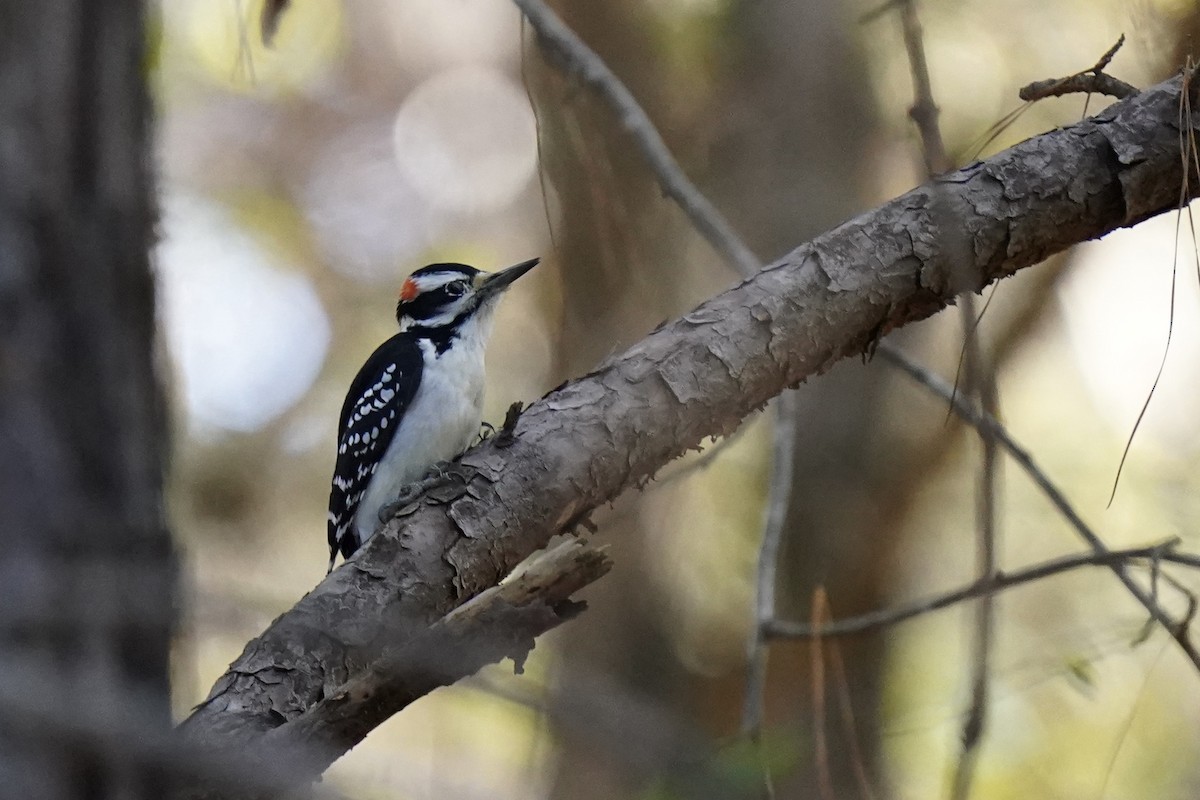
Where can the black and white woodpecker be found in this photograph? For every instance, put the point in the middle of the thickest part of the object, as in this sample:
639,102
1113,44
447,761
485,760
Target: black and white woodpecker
418,398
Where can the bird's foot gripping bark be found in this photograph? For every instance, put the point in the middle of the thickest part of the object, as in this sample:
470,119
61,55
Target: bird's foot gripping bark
444,482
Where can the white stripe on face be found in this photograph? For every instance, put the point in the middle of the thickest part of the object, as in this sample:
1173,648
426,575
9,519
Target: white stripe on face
424,283
430,304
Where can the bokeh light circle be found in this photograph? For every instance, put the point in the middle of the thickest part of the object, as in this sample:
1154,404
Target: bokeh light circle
247,337
466,140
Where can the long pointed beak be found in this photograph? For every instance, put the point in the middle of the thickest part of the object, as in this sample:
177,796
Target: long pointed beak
494,283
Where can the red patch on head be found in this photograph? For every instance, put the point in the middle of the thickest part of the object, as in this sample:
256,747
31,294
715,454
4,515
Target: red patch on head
408,290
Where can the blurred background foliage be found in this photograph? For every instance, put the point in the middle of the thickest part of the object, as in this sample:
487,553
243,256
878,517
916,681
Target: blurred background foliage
301,183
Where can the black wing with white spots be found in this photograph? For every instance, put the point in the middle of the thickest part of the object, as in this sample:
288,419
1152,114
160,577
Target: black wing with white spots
374,406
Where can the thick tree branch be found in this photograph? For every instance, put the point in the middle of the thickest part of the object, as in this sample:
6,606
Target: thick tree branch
498,623
696,377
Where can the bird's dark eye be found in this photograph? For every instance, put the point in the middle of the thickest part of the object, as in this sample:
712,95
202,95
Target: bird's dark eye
456,289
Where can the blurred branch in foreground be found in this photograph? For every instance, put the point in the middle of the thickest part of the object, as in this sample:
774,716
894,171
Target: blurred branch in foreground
87,568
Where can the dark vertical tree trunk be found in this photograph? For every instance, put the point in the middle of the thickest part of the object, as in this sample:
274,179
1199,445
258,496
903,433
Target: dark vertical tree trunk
86,564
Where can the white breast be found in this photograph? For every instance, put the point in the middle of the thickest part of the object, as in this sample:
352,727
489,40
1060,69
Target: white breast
442,421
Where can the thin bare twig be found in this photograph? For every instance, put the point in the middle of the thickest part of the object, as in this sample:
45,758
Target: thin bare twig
924,111
978,419
1187,150
576,58
1128,723
778,500
991,585
846,707
1092,80
1080,83
981,384
817,660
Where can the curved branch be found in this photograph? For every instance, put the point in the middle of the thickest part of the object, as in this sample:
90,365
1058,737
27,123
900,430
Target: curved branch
699,376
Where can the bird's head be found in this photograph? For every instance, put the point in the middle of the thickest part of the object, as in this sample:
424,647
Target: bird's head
446,295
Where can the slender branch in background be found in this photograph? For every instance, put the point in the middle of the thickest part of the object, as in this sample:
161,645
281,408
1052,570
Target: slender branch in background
994,584
924,111
981,384
570,54
849,726
816,655
1090,81
820,615
787,410
978,419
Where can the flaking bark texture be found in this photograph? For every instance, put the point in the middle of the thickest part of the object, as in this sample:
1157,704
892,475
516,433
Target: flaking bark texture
698,377
498,623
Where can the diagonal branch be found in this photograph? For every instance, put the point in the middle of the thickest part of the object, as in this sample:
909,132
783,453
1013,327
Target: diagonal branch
568,51
987,586
981,419
693,378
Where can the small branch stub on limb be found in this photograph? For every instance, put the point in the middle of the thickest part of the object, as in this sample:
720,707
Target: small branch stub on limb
1091,81
505,437
501,622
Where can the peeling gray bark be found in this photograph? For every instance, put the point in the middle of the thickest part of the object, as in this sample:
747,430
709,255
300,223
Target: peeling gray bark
694,378
500,622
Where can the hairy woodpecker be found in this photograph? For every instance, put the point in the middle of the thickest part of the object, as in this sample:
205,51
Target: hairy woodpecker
417,400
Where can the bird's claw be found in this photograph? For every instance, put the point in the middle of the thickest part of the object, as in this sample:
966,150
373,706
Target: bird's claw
443,473
389,510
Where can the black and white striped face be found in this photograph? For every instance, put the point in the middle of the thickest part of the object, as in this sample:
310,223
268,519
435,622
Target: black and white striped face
445,295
